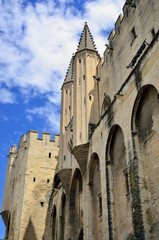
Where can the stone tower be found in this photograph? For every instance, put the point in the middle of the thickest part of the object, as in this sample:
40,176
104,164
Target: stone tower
86,111
28,186
79,101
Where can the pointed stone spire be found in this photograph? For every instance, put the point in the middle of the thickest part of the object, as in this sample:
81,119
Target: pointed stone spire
70,72
86,40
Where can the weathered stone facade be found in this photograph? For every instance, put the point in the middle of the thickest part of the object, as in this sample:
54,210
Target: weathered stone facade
28,185
106,181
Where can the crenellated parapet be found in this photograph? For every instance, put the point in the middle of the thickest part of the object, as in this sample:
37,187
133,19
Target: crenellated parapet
134,33
33,135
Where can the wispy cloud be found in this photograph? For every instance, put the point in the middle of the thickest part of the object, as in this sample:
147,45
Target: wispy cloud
6,96
50,114
37,41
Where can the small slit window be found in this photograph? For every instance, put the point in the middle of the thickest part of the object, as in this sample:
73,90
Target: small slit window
100,204
49,154
48,180
80,185
79,60
133,34
83,77
64,157
153,32
90,98
69,107
34,179
80,135
42,204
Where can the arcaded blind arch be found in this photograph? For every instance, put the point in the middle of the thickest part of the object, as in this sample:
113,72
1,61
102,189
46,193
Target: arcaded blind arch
145,135
75,206
147,113
95,197
62,217
54,223
119,218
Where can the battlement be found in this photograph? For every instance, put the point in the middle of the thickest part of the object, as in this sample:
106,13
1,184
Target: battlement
128,8
12,149
33,135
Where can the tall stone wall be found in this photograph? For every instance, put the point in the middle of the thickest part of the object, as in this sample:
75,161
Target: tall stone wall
34,165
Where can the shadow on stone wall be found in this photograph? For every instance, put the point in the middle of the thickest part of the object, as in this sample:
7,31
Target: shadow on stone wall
30,232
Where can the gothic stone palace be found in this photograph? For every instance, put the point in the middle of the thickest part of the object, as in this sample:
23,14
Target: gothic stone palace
98,180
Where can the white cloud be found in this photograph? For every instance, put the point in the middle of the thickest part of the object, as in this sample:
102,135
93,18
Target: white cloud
30,118
49,114
6,96
37,42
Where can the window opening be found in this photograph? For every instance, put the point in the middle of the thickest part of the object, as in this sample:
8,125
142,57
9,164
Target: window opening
69,107
66,91
83,77
90,98
49,154
100,204
64,157
42,204
80,135
34,179
48,180
153,32
79,60
80,185
133,34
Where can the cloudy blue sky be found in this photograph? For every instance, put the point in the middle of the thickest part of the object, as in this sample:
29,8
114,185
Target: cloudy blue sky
37,40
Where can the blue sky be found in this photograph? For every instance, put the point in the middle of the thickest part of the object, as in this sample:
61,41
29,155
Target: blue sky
37,40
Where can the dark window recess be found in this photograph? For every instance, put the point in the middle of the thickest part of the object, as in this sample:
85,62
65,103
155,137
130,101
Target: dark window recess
90,98
79,60
42,204
83,77
84,100
100,204
49,154
80,185
64,157
48,180
66,91
80,135
153,32
69,107
34,179
133,34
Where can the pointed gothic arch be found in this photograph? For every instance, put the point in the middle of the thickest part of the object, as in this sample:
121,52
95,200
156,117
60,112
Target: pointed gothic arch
145,138
62,219
54,223
75,207
95,197
118,203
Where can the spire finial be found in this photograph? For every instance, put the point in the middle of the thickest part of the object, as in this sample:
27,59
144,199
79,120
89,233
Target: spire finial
86,40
